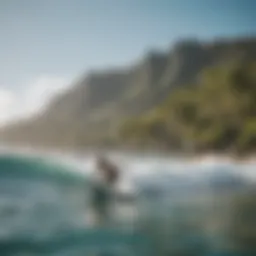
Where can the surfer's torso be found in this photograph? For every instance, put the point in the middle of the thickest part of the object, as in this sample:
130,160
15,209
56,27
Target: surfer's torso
103,192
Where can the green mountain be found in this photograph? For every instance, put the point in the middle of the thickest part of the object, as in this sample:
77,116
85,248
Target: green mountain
216,114
95,108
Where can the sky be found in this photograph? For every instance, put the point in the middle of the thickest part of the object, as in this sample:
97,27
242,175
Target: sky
47,44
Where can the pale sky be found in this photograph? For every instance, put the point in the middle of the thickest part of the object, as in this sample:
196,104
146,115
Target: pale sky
45,44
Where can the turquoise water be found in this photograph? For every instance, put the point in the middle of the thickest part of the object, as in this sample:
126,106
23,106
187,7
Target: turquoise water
42,211
36,202
43,205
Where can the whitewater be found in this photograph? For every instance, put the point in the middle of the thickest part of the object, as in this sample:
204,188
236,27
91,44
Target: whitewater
43,204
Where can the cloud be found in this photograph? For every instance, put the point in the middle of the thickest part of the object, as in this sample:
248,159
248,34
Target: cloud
32,99
41,91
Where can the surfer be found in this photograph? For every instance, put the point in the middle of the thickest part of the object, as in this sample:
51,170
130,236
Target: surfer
105,178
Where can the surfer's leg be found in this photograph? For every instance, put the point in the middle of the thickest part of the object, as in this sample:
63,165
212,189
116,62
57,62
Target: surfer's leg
98,217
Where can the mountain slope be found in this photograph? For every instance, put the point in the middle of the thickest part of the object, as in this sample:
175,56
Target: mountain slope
91,111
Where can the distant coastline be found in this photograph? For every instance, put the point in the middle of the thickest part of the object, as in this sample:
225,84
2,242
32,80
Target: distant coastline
186,101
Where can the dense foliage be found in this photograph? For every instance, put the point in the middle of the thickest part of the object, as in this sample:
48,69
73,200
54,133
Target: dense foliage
217,114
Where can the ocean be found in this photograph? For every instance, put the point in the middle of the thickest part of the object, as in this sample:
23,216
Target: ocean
44,207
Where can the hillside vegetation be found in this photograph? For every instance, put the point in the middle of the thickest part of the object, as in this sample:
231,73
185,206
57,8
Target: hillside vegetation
216,114
195,96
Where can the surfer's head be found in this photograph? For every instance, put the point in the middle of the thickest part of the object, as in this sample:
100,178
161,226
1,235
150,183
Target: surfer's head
107,169
101,161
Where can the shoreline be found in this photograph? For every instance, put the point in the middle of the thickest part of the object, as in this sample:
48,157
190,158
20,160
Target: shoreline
193,158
